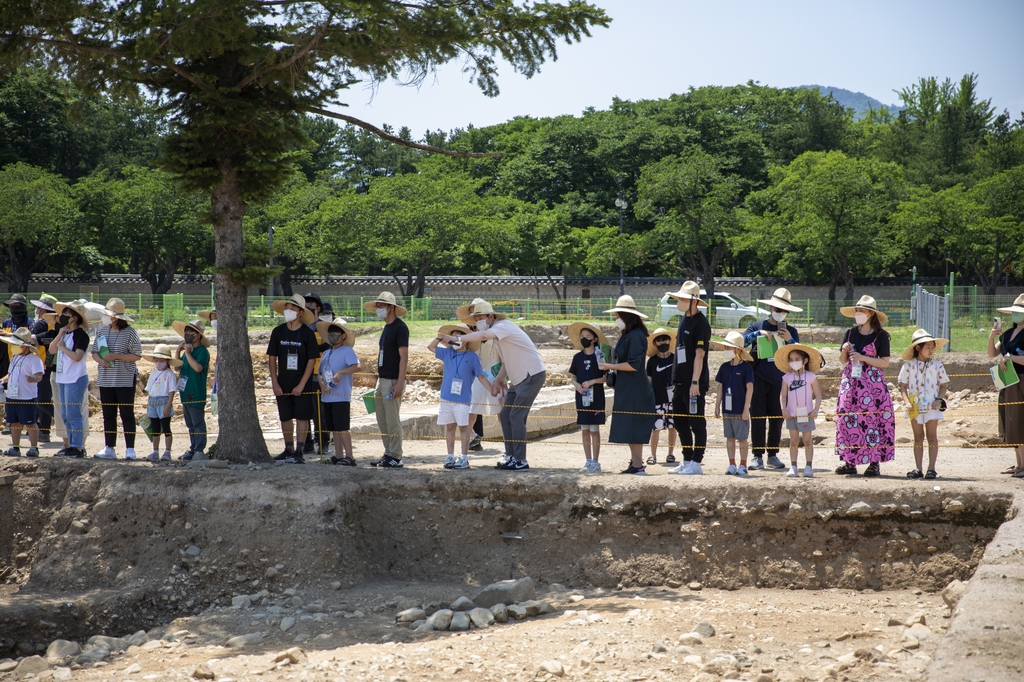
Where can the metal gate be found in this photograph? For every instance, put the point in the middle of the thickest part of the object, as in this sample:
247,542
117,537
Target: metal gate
931,312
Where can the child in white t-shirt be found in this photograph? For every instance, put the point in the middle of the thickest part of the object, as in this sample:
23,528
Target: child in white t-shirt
801,400
22,387
161,387
923,383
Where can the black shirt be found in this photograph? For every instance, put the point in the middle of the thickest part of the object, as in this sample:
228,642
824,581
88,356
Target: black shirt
584,368
858,341
765,368
1014,347
694,333
394,336
300,342
660,371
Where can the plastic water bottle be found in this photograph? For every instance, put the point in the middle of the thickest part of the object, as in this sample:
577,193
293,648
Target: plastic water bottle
693,404
856,369
599,354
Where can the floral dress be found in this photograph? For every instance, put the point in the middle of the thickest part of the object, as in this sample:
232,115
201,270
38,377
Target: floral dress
865,420
923,379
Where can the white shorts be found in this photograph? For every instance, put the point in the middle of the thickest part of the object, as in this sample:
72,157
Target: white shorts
453,413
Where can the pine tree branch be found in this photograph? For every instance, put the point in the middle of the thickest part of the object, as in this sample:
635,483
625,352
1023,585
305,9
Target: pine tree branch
291,60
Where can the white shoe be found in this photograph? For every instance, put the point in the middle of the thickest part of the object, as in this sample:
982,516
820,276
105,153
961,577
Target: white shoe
586,468
808,472
461,463
449,462
130,454
595,466
106,453
695,469
732,471
741,471
680,468
166,457
792,473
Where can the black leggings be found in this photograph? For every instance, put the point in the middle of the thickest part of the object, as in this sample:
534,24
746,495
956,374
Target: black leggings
113,399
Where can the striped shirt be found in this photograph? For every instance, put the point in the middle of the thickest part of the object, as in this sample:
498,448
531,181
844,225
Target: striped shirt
122,341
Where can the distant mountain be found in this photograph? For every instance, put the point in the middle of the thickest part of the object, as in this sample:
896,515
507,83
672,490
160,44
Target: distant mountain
858,101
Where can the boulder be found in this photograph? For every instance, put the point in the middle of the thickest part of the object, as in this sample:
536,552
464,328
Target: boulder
92,655
704,629
691,639
952,592
460,621
462,604
60,649
441,619
245,640
481,617
506,592
31,665
499,613
517,612
410,615
115,644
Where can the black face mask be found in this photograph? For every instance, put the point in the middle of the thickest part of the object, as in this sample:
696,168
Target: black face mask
586,343
334,339
189,337
19,310
662,347
64,320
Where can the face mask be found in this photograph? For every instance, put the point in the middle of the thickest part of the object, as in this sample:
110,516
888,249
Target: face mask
213,323
778,317
482,326
326,318
290,314
662,347
382,313
728,354
586,343
860,318
334,339
161,365
106,320
64,319
620,323
18,311
312,310
189,337
1017,317
796,365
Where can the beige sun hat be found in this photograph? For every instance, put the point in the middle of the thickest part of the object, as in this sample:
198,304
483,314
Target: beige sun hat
207,315
448,329
733,341
689,290
625,304
388,298
781,299
865,303
919,337
480,307
660,331
782,357
1017,307
574,334
20,337
115,308
58,309
305,317
465,312
179,327
341,323
162,351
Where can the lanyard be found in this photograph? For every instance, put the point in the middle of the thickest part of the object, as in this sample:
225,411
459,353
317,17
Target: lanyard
15,365
806,385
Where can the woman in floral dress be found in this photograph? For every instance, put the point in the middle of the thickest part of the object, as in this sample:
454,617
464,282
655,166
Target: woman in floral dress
865,421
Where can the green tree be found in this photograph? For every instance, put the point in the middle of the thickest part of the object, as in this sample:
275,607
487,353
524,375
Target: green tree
236,74
33,125
38,217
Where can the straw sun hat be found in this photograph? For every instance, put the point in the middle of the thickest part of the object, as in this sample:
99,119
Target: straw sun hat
306,316
689,291
162,351
76,306
20,338
449,329
340,323
179,327
660,331
920,337
115,308
733,341
574,334
385,297
207,315
478,307
625,304
781,299
782,357
865,303
1017,307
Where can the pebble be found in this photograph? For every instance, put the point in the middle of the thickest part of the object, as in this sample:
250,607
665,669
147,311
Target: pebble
695,586
240,601
193,550
132,669
658,648
7,665
245,640
860,509
96,653
62,674
952,593
506,592
203,672
693,659
576,598
287,623
918,631
411,615
916,618
704,629
271,573
691,639
553,667
293,655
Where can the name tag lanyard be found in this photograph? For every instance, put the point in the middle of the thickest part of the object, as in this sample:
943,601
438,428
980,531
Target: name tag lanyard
292,360
12,384
456,387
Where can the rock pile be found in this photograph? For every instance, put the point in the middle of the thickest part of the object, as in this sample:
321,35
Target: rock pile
500,602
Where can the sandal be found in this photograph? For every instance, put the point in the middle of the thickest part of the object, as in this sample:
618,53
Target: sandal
872,470
671,459
916,473
652,460
1019,474
930,474
847,470
1012,469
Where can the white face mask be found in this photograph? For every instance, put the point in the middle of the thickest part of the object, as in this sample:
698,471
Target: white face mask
161,365
382,313
779,316
106,320
620,323
326,318
213,323
728,354
860,318
796,365
290,314
482,326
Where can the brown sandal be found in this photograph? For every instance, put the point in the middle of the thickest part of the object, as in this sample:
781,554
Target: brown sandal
1009,470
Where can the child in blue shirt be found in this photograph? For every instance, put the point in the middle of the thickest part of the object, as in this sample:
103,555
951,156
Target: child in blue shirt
460,369
735,389
337,365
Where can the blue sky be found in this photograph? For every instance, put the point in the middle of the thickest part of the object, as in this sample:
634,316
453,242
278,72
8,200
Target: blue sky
658,47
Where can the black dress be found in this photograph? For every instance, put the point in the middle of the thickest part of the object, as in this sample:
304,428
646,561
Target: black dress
584,368
633,393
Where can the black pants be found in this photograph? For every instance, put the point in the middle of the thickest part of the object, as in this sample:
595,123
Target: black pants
478,426
118,399
316,433
692,428
44,410
765,403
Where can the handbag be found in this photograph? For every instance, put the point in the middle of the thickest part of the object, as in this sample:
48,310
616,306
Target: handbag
609,379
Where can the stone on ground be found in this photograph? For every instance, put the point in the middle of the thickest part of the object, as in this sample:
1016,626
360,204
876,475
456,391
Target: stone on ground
462,604
481,617
506,592
60,649
460,622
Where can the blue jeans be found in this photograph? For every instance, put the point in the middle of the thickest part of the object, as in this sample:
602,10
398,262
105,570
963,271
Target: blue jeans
71,398
195,420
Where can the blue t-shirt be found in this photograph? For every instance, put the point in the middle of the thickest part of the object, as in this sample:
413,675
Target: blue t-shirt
335,360
735,377
463,365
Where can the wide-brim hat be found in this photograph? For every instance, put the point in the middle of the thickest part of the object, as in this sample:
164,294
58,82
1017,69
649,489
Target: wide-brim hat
625,304
919,337
574,334
388,298
782,300
207,314
447,329
689,290
16,298
865,303
660,331
45,301
733,341
465,312
179,327
21,337
478,307
1017,307
115,308
305,317
162,351
782,357
58,309
340,323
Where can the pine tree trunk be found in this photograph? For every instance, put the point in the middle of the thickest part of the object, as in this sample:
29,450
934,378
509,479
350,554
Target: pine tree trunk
238,421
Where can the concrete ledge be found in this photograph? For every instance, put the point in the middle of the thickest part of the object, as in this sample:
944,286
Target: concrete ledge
984,639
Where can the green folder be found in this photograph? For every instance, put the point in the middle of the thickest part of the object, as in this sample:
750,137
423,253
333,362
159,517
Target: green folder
767,345
370,401
607,350
1004,378
102,349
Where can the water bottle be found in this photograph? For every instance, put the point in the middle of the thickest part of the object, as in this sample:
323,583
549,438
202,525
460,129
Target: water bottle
588,397
599,354
693,404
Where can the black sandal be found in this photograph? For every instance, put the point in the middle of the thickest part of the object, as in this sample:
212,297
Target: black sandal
652,460
916,473
671,459
872,470
930,474
847,470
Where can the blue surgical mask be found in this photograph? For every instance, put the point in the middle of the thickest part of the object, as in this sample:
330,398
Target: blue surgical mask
1017,317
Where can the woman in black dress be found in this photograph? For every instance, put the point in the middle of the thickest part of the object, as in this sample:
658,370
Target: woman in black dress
633,416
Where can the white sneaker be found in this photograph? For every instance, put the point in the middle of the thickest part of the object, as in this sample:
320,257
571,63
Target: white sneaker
808,472
792,473
732,471
106,453
449,462
595,466
130,454
166,457
741,471
586,468
695,469
461,463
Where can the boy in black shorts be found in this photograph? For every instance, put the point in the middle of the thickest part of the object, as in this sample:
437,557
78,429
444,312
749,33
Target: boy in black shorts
291,354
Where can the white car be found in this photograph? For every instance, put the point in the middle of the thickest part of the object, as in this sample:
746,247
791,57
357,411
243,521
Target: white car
728,312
